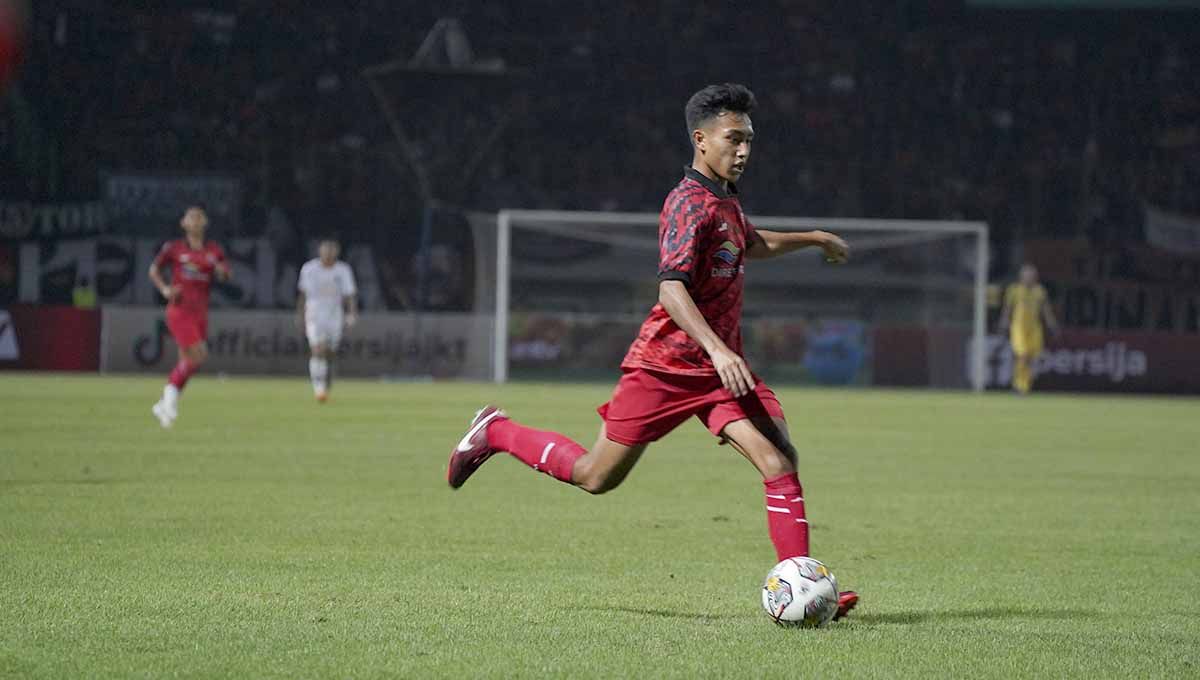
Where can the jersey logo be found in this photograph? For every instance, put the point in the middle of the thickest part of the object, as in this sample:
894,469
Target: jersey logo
727,252
184,257
724,227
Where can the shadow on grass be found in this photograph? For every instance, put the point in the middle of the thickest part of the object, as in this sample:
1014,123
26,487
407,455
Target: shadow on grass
906,618
666,613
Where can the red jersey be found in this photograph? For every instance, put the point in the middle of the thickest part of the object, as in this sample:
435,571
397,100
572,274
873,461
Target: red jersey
702,239
191,270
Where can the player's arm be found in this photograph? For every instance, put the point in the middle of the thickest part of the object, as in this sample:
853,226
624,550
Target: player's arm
776,243
350,297
735,373
1006,311
1048,317
222,269
168,292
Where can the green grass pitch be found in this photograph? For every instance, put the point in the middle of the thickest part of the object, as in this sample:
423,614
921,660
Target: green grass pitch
267,536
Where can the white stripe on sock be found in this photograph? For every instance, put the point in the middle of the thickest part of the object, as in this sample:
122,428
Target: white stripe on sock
545,455
775,509
802,520
780,497
797,499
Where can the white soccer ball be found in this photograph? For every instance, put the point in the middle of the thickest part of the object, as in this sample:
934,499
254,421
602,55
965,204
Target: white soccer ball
800,591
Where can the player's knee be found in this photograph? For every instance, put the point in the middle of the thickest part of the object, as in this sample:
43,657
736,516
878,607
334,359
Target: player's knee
597,486
595,481
777,465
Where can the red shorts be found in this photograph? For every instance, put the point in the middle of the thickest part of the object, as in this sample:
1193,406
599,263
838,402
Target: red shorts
646,405
187,326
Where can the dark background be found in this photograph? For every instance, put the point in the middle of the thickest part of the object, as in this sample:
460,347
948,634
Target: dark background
1046,123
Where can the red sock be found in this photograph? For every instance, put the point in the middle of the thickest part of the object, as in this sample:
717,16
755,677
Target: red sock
785,516
548,452
180,374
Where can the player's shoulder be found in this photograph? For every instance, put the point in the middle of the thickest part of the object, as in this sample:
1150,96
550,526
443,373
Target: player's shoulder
343,266
308,266
689,199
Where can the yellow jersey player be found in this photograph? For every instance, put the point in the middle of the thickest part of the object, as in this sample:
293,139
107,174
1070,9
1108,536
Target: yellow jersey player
1026,307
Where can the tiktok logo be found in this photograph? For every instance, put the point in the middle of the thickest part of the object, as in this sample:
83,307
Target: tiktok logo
148,350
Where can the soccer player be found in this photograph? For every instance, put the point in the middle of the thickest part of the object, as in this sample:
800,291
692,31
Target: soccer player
1026,308
193,262
687,359
327,302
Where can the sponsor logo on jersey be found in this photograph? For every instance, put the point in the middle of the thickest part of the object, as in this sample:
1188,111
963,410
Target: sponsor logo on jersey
727,252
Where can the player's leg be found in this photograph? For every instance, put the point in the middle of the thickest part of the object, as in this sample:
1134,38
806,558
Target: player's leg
1022,366
318,370
188,332
597,470
756,428
1033,349
643,408
333,337
763,442
319,342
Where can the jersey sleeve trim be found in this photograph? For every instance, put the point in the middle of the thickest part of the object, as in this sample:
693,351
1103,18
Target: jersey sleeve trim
673,275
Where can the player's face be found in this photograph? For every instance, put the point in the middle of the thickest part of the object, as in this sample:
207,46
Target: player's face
725,142
194,222
328,252
1028,275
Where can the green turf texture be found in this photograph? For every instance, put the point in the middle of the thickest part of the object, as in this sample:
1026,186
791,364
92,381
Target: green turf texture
267,536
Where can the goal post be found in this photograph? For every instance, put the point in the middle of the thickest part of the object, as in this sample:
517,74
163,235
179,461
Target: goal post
919,284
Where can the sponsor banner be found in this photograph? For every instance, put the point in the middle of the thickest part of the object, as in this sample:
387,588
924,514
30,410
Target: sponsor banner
1104,362
781,349
21,220
146,203
1172,232
49,338
919,356
272,342
1124,288
49,272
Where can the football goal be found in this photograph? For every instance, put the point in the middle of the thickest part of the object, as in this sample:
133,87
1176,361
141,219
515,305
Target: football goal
569,288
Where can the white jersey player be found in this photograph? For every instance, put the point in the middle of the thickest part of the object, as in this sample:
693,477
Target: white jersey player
327,303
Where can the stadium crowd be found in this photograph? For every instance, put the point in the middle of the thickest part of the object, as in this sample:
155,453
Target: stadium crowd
1041,123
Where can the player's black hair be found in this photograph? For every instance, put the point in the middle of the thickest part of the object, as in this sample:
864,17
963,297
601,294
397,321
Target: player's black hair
712,100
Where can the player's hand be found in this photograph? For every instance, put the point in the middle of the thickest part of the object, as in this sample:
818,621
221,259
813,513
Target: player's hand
169,292
734,372
351,319
836,250
224,272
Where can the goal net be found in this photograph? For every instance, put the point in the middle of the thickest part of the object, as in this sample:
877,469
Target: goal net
568,290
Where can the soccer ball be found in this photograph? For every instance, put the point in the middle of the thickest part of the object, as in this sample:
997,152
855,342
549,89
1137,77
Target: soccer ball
800,591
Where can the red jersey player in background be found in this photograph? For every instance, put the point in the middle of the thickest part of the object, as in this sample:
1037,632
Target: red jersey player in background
687,359
193,262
